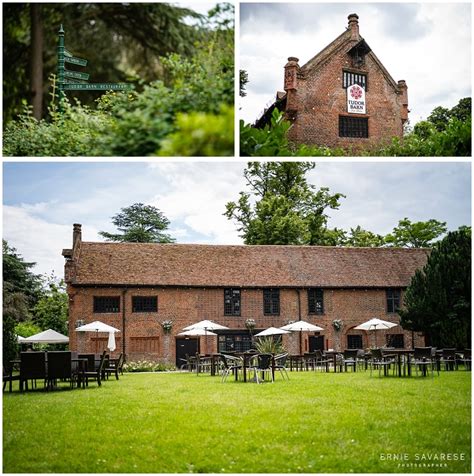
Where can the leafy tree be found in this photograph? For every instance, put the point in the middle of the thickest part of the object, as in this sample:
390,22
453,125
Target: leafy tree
244,79
358,237
462,110
282,208
438,300
439,117
415,235
51,311
139,223
27,328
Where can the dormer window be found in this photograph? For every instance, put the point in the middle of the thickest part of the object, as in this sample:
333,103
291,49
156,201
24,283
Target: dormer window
358,52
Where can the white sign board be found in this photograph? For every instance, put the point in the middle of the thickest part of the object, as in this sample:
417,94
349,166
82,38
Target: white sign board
356,99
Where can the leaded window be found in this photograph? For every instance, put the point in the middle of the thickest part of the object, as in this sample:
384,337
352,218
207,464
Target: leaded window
348,79
353,126
393,300
395,340
271,301
144,304
231,302
315,301
103,304
354,341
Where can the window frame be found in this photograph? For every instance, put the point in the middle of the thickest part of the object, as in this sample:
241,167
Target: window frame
357,337
344,127
347,83
97,299
314,300
390,300
153,309
233,301
399,339
271,302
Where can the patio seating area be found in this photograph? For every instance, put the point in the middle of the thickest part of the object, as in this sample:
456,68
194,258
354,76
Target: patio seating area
57,369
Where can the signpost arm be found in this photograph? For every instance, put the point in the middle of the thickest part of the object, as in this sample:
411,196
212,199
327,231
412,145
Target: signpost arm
61,94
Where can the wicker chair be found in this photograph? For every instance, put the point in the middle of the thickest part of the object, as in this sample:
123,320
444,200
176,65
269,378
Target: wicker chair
449,359
466,359
60,368
349,359
114,367
230,364
32,367
96,374
379,360
424,360
9,377
263,364
280,364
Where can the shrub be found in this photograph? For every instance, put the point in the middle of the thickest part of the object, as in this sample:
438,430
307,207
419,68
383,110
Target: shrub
269,345
147,366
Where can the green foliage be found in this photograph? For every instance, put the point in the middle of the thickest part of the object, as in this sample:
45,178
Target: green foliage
438,300
269,345
243,80
9,338
359,237
51,311
439,117
137,123
27,328
272,141
201,134
281,208
139,223
415,235
147,366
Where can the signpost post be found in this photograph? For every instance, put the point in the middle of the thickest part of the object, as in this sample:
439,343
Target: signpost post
75,80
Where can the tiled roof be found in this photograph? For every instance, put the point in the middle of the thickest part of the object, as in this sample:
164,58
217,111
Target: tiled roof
246,266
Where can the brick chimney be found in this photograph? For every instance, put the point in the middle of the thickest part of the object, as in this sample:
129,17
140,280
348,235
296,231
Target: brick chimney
72,255
76,236
354,26
291,83
403,91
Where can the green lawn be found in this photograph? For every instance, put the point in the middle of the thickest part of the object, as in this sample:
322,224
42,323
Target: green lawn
178,422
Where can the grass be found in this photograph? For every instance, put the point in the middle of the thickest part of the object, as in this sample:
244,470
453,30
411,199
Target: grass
178,422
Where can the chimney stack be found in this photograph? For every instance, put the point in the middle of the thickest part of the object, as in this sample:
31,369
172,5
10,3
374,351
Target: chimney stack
291,83
403,89
354,26
76,236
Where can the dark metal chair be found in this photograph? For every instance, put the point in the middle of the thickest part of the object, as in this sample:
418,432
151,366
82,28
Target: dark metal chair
114,367
321,361
380,360
349,357
466,359
449,359
60,367
32,367
9,377
280,364
96,374
231,364
424,360
263,364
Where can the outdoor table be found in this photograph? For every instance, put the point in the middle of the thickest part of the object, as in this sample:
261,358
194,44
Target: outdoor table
399,353
215,359
297,361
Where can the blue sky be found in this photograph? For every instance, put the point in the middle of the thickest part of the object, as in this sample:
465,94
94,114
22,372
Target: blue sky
43,200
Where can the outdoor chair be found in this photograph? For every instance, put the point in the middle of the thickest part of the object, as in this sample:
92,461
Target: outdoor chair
424,360
309,359
96,373
466,359
449,359
60,367
349,359
114,367
321,361
262,365
379,360
280,364
230,364
203,364
9,377
32,367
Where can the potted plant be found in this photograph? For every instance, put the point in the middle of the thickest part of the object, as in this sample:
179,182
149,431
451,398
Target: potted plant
167,326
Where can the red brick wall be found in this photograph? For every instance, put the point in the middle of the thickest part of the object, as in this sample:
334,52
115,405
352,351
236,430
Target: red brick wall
320,99
187,306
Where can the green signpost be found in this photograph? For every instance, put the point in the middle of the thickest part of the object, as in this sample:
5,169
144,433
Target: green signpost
75,80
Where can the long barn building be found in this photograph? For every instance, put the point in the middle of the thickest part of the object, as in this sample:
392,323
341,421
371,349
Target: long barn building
137,288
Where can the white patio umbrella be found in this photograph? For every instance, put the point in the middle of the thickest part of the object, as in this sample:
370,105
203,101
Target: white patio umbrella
205,325
46,337
98,326
375,324
197,332
20,339
271,331
301,326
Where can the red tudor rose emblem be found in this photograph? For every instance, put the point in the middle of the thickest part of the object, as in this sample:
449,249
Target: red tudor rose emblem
356,92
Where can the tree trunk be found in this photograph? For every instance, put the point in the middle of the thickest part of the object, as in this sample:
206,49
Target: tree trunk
36,58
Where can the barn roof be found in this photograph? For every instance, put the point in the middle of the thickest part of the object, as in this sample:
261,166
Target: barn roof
136,264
